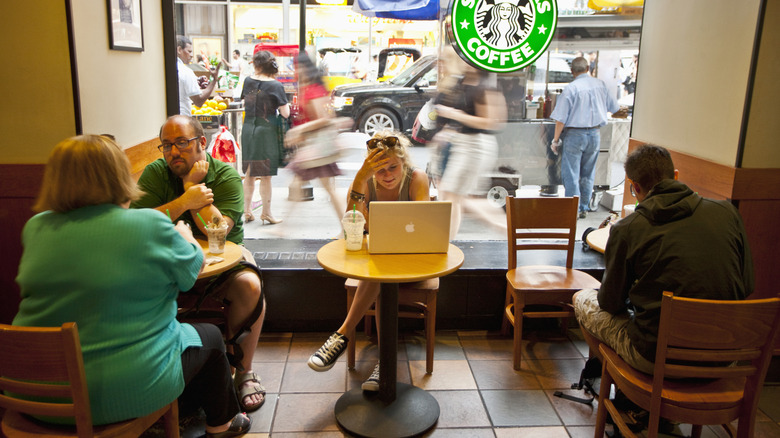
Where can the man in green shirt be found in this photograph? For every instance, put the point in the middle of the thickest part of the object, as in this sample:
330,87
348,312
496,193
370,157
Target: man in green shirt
186,182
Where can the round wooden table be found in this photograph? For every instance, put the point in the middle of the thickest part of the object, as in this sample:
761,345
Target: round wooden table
398,410
232,255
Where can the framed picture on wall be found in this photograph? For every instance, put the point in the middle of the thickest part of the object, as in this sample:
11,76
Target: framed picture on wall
207,48
125,28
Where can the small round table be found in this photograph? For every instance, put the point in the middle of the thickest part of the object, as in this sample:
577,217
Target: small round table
398,410
231,256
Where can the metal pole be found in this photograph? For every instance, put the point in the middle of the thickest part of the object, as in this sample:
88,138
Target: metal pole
302,29
285,21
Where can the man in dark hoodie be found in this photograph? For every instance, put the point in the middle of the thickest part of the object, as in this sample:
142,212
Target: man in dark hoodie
675,241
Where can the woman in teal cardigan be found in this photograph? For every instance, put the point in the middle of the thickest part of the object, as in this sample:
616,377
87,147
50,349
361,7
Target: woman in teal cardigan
117,272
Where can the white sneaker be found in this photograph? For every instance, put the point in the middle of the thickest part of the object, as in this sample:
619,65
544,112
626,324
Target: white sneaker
372,383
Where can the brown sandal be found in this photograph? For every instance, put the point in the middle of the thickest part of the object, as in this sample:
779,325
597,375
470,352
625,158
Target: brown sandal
245,390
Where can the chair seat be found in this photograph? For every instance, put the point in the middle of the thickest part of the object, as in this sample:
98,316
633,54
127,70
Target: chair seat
712,394
415,300
542,277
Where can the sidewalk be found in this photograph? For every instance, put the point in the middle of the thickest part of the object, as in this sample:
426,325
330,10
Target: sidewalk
316,219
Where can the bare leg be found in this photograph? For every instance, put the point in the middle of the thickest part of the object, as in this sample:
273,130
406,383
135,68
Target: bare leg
457,211
249,190
265,194
365,296
327,184
243,293
483,212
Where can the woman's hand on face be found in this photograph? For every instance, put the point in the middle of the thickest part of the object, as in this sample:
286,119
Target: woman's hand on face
375,161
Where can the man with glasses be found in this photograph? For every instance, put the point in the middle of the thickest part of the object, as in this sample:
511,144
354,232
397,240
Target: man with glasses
187,182
675,241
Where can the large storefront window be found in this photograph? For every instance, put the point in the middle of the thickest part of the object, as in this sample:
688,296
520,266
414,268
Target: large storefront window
400,58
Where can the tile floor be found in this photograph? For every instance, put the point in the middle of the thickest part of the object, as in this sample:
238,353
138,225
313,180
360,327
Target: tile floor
473,381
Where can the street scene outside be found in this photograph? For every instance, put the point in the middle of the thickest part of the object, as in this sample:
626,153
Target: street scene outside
315,219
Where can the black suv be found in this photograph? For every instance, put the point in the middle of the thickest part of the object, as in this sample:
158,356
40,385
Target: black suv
393,104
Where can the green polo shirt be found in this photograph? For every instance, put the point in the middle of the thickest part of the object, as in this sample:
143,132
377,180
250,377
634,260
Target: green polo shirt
161,186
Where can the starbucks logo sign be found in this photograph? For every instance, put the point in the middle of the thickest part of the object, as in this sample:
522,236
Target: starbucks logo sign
501,36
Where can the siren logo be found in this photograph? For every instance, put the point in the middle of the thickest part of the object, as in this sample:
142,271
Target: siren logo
502,35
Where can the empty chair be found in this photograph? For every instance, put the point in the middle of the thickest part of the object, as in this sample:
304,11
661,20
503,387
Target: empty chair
415,300
547,224
710,363
33,358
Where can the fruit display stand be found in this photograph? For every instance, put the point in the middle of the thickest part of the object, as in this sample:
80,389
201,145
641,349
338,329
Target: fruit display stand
210,122
210,115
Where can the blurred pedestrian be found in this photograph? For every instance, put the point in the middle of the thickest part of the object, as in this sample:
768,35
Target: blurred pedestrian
312,122
264,103
470,117
580,112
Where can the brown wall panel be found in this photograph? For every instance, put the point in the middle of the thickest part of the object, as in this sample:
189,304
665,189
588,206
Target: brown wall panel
19,186
705,177
761,222
142,154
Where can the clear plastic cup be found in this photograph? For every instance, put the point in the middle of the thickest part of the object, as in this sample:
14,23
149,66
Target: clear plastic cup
217,237
353,224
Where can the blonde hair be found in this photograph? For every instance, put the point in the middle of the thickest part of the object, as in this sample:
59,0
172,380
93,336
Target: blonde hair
86,170
400,150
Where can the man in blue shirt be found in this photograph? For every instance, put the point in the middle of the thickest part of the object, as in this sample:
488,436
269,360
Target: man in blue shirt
579,113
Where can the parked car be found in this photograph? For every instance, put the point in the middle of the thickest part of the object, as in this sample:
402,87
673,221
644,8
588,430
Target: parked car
392,104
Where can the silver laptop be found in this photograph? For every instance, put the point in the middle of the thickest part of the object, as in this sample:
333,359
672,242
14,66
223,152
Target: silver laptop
409,227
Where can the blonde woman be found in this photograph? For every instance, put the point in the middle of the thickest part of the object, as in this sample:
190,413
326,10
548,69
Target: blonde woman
387,174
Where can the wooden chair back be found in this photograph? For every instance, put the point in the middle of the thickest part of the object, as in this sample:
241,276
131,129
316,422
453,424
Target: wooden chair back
33,357
541,224
716,339
46,364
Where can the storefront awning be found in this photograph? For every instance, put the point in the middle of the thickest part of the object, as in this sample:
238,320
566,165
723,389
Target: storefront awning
398,9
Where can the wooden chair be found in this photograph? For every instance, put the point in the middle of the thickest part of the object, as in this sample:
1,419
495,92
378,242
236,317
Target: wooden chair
548,224
417,300
694,380
33,357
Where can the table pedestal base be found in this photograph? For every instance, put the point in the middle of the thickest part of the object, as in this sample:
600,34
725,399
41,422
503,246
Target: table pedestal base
413,412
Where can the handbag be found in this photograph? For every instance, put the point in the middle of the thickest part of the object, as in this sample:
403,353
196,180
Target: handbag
285,153
320,147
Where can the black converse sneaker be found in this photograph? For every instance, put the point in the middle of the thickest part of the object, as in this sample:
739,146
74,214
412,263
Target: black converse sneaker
326,356
372,383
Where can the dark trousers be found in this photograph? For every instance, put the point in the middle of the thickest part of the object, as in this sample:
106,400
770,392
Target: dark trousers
207,378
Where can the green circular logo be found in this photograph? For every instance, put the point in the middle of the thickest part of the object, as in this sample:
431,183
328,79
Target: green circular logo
501,36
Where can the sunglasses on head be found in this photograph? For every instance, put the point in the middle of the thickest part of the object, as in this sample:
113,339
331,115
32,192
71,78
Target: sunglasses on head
389,142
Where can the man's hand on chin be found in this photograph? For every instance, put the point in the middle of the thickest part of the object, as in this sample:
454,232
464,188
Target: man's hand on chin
197,173
197,196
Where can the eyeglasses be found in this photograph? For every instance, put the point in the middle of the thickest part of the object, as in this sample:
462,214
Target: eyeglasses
181,145
631,187
389,142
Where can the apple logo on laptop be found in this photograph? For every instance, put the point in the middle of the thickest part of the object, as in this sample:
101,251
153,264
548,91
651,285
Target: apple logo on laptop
409,227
